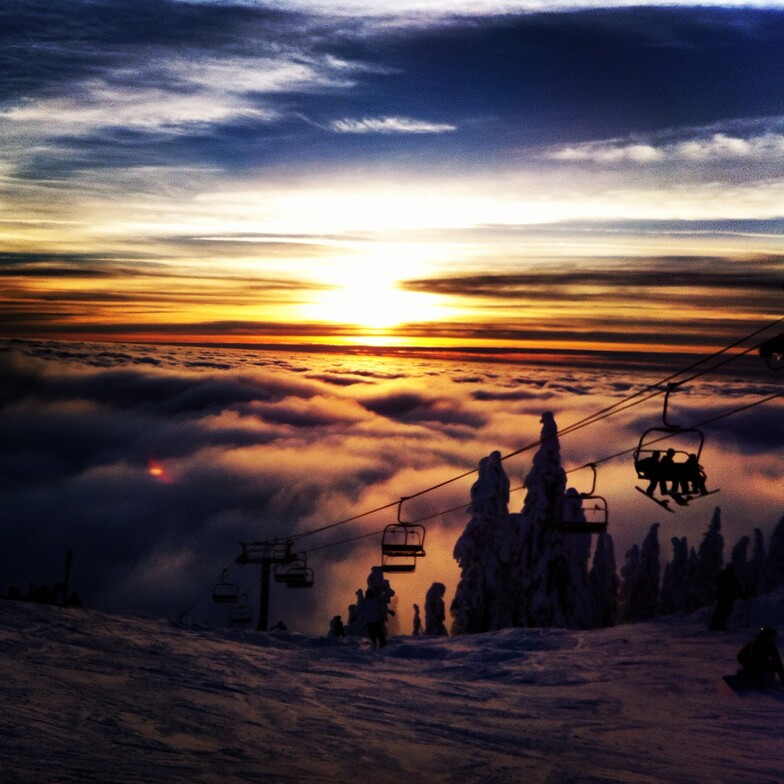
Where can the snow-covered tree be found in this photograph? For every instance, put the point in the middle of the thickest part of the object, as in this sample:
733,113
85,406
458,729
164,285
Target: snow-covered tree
484,553
629,571
640,578
756,563
554,572
772,577
691,599
710,560
435,611
649,575
675,589
740,563
521,569
603,581
393,619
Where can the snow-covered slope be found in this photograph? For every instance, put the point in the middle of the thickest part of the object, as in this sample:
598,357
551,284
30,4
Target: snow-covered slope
89,697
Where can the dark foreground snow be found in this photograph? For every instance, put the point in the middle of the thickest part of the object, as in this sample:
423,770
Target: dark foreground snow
89,697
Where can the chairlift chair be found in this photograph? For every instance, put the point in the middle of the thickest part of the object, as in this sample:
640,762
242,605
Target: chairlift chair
587,517
682,470
266,552
225,592
401,544
772,351
242,614
296,574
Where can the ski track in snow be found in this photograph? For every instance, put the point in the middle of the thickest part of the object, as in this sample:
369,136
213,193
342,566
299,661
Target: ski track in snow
90,697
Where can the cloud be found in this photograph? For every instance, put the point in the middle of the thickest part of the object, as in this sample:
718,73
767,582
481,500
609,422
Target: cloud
389,125
255,445
715,148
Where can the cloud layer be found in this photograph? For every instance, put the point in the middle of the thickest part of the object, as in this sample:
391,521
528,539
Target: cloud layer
153,464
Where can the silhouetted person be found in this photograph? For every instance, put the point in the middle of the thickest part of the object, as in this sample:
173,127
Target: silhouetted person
667,473
694,475
649,468
279,627
417,621
336,628
761,657
728,589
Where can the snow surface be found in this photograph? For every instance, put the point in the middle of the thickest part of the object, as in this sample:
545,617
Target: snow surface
90,697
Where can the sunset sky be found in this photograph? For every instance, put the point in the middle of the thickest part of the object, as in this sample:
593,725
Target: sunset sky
499,176
598,187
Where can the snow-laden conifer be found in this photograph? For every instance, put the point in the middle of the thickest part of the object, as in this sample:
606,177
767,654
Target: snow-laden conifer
484,554
710,560
629,570
756,563
772,577
739,558
640,579
555,575
435,611
603,581
675,589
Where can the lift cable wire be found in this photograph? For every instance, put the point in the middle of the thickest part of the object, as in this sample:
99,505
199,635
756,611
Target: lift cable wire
630,401
606,459
650,392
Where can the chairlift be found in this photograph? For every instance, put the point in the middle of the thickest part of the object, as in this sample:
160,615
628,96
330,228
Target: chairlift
242,614
225,592
584,513
401,544
677,475
772,351
296,574
276,552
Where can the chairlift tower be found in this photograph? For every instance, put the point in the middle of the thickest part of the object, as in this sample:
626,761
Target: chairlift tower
267,554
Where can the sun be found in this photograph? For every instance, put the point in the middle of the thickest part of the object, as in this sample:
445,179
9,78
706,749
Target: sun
372,304
368,293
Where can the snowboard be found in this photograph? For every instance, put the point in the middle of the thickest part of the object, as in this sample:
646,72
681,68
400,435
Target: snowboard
663,503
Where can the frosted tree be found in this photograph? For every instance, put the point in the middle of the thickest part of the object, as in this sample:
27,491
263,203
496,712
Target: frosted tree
553,582
739,559
675,590
692,601
603,581
435,610
355,625
646,598
772,578
640,578
484,554
393,622
710,560
629,571
756,563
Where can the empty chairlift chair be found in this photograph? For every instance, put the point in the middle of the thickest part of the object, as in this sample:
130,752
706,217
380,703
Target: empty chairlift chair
296,574
584,513
225,592
401,544
242,614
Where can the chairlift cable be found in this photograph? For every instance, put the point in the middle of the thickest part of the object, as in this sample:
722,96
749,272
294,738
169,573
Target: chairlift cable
630,401
598,461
